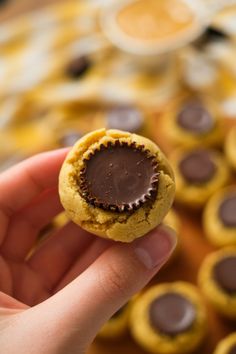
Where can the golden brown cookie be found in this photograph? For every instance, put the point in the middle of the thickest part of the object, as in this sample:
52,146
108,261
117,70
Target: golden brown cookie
193,122
199,173
116,184
169,318
217,280
230,147
73,120
219,218
227,345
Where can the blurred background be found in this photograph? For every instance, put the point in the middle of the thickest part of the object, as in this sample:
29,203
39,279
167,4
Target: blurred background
165,70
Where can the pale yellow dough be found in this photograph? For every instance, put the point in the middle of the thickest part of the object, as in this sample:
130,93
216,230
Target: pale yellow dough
216,232
222,302
196,195
123,226
230,147
226,344
156,342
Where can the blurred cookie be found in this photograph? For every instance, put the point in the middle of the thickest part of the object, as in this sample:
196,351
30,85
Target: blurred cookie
193,122
116,184
227,345
219,218
169,318
230,147
199,173
71,121
217,280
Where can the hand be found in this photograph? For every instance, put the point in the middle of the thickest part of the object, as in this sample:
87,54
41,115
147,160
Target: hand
54,299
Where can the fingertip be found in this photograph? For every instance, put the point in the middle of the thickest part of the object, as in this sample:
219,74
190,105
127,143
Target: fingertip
154,249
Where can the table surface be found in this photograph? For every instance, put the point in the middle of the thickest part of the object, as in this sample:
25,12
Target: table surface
185,267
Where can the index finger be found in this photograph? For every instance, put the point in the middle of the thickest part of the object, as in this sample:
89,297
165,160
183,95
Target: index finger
22,183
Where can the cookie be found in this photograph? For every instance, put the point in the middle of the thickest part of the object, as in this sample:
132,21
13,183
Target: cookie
217,280
230,147
117,325
71,121
219,218
193,123
169,319
227,345
116,185
199,173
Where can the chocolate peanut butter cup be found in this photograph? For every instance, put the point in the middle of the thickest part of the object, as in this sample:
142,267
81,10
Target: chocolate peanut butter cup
224,273
125,117
227,211
78,66
172,314
119,177
195,118
197,166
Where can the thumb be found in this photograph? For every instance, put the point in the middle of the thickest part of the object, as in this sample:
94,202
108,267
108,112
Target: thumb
83,306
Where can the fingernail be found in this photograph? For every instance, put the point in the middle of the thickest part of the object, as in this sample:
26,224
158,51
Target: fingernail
155,248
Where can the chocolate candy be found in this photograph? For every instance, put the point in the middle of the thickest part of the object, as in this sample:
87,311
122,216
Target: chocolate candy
233,349
195,118
197,167
69,138
224,273
227,211
127,118
172,314
119,177
78,67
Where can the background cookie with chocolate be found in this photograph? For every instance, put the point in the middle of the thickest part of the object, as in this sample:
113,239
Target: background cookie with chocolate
219,218
217,279
199,173
169,318
193,122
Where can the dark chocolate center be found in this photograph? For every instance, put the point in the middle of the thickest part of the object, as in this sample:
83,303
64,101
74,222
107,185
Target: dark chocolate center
127,118
232,349
172,314
227,211
195,118
224,273
197,167
119,177
78,66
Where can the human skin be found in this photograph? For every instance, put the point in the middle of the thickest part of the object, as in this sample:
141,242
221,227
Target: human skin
55,299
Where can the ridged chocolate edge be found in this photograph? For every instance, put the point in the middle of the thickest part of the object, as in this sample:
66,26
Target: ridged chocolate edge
150,196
